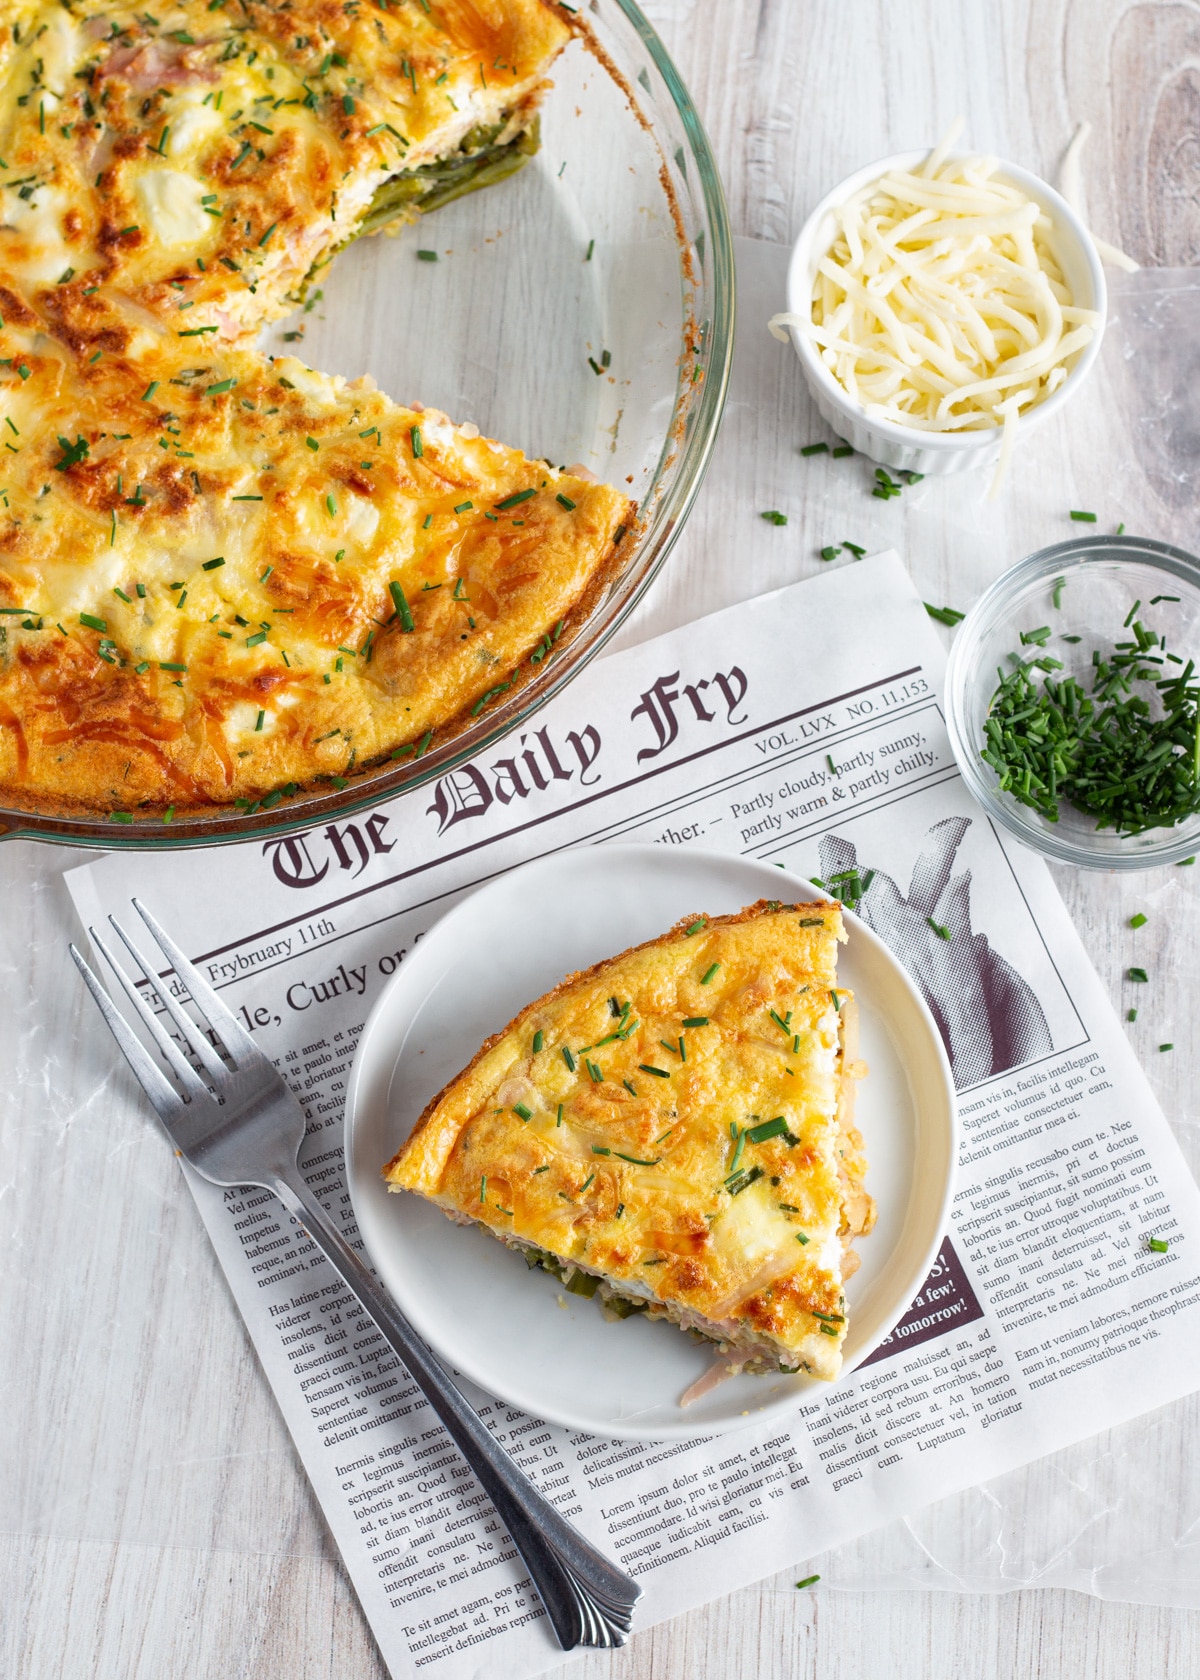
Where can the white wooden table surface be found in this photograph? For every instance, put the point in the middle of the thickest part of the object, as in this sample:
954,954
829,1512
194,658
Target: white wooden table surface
795,94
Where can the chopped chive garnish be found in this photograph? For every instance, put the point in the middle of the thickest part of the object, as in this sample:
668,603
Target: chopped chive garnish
483,1187
92,622
635,1160
211,565
1157,1245
1138,974
259,723
774,517
1131,1015
695,927
630,1087
569,1059
566,502
1060,583
585,1183
707,977
842,450
855,549
1126,752
942,932
595,1071
659,1073
599,1149
1166,1047
944,615
514,500
464,507
1083,518
427,256
525,1113
418,449
768,1129
400,601
538,1041
815,449
808,1581
696,1021
558,1121
801,1238
1138,921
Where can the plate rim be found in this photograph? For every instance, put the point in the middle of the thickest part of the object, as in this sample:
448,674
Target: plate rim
634,851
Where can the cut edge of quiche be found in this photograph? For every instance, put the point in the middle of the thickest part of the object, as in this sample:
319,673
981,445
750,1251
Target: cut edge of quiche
218,158
672,1132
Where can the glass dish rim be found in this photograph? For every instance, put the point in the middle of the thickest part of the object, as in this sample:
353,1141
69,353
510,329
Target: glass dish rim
692,442
1044,563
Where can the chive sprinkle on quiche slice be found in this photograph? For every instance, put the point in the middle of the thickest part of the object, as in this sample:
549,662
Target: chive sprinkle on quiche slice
671,1131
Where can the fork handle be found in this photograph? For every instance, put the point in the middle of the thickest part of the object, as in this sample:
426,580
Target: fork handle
588,1599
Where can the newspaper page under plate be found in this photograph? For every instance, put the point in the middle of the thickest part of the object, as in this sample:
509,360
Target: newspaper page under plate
802,727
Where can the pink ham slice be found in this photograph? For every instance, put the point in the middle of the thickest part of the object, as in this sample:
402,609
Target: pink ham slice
159,64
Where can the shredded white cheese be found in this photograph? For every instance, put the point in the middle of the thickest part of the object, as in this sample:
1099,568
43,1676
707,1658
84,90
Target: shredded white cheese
1070,184
939,305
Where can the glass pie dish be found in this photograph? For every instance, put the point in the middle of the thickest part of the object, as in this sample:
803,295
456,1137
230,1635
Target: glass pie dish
581,311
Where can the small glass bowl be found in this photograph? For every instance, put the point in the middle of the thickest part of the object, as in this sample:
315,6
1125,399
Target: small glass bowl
1102,578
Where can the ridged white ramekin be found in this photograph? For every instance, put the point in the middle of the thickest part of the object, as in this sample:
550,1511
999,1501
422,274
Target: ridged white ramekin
903,446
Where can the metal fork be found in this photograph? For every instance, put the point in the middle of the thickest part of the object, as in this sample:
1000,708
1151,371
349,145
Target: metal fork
239,1123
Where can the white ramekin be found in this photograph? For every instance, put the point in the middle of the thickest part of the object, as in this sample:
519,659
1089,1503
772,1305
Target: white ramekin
904,446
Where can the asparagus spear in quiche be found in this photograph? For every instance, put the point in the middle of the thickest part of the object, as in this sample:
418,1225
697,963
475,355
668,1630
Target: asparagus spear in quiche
672,1131
210,155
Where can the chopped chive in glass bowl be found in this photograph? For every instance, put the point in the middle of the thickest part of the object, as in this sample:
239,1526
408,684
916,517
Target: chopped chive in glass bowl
1066,651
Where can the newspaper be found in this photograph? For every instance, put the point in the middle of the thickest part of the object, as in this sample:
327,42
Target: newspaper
1047,1316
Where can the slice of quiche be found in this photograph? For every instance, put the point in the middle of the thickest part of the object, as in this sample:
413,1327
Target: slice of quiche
224,576
200,161
672,1131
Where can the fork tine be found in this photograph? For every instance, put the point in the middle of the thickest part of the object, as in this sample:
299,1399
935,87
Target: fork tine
154,1082
222,1019
192,1035
164,1043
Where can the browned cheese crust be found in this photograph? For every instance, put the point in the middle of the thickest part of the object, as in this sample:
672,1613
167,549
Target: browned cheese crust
239,574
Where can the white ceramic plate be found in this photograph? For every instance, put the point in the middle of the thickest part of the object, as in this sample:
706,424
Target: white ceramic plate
514,1331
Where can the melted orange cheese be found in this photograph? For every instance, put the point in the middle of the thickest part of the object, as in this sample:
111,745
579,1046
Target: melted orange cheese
218,578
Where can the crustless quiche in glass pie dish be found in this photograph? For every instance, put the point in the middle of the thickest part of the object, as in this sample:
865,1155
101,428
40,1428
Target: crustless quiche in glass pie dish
241,587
